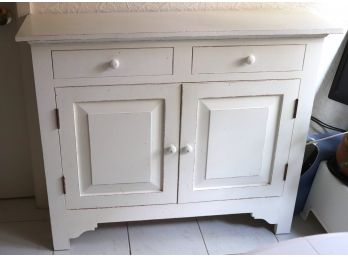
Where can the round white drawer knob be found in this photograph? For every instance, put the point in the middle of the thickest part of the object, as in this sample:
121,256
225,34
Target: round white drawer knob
187,148
251,59
172,149
114,64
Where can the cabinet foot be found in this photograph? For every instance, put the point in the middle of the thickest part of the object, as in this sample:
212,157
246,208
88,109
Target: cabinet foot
60,243
283,227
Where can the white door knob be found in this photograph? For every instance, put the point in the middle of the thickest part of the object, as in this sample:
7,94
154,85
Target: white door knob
187,148
172,149
114,64
251,59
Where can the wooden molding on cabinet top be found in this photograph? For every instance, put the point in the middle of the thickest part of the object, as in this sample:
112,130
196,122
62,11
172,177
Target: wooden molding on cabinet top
173,25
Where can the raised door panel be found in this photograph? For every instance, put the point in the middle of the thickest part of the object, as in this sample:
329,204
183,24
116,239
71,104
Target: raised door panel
240,133
114,142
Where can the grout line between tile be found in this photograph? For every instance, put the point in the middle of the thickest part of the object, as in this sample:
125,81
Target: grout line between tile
311,245
278,240
129,244
200,230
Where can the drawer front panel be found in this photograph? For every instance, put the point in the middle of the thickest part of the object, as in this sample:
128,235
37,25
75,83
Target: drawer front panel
229,59
112,62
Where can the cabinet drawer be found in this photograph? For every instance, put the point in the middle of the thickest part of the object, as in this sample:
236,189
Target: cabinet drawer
112,62
228,59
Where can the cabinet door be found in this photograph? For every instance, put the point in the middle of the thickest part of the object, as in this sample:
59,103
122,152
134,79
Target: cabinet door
115,143
235,139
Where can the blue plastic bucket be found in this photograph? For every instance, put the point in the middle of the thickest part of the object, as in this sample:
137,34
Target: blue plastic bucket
314,155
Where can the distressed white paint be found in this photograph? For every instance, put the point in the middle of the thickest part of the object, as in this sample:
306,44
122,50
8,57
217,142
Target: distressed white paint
112,141
113,158
324,108
172,25
252,113
102,7
71,214
98,63
247,59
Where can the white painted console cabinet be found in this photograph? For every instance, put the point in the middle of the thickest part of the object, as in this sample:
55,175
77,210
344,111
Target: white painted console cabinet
168,115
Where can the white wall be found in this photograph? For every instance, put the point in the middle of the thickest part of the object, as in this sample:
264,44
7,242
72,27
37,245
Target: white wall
325,109
15,164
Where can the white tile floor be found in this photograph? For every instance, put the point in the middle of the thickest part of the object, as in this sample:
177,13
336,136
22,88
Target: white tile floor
24,229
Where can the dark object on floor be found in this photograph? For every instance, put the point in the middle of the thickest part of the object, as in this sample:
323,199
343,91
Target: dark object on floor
342,156
335,170
314,154
339,89
5,16
310,156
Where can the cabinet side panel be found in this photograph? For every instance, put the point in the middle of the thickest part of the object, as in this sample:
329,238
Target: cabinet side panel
308,88
50,143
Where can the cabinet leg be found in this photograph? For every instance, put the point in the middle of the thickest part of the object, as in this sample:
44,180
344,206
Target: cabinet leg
61,243
283,227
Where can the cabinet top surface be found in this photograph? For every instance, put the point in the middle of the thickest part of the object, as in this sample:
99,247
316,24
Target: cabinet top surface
173,25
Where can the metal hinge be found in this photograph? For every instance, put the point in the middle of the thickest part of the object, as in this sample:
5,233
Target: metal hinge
63,185
285,171
57,118
295,109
